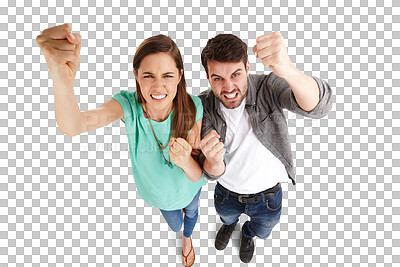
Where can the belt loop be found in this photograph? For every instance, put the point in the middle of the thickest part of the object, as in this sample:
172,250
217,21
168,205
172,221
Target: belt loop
263,197
227,194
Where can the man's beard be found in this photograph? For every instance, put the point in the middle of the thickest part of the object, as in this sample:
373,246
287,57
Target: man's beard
233,104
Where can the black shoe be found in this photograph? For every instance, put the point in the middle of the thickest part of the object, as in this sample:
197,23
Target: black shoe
246,248
223,236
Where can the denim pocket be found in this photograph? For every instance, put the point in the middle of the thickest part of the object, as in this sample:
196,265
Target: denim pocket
275,203
219,197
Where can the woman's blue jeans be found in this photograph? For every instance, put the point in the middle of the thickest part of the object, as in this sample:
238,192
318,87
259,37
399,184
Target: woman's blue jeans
175,219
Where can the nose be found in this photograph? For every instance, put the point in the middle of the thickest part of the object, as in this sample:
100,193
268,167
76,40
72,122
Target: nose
228,86
157,84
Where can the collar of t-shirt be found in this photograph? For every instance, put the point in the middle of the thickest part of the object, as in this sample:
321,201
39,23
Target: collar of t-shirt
238,125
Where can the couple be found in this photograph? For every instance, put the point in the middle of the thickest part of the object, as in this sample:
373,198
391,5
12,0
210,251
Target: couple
241,139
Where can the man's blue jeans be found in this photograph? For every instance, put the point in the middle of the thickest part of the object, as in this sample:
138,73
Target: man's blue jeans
175,219
264,215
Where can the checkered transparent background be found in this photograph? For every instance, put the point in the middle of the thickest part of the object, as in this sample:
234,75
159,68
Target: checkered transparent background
72,201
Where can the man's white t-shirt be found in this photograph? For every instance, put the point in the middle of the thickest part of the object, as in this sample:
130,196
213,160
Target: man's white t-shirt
250,166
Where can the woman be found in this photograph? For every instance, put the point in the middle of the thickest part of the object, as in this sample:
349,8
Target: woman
163,123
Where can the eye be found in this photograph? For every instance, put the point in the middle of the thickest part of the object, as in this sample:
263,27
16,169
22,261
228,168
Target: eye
169,76
235,74
148,76
217,79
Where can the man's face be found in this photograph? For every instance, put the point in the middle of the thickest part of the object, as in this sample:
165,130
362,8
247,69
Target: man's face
228,81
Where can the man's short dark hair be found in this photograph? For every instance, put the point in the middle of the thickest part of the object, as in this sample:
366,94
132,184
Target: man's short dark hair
224,48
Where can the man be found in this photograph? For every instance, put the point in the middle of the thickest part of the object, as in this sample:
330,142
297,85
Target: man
243,116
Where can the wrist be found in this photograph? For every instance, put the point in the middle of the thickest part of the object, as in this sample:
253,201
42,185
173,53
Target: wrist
292,74
62,87
214,168
188,164
192,170
214,165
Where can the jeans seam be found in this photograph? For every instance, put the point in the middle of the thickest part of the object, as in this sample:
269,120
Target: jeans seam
267,203
280,205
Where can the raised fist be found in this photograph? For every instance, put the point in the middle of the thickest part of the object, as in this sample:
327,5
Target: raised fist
271,49
61,49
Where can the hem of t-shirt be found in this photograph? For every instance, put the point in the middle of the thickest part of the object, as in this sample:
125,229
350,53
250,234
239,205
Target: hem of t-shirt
151,203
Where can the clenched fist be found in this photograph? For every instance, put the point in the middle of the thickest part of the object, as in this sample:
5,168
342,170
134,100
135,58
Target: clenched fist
271,49
179,151
212,148
61,49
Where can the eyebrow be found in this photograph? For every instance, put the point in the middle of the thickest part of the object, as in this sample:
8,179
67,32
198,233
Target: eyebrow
147,72
215,75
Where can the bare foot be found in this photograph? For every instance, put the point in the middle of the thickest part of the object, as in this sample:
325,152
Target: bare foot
187,249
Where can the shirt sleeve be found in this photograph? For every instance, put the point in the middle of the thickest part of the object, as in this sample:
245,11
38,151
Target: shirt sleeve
124,98
286,99
206,128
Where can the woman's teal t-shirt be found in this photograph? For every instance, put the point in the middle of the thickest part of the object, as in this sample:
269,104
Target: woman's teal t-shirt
158,184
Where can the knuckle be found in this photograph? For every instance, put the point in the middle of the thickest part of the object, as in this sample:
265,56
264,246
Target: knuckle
39,39
66,27
45,30
79,36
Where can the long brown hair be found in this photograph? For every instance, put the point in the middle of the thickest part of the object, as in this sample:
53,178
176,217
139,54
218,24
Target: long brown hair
184,116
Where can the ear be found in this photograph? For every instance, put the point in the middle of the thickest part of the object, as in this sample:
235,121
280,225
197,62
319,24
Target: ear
247,67
134,73
180,76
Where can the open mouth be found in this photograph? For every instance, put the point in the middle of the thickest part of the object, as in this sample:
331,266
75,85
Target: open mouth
158,96
231,96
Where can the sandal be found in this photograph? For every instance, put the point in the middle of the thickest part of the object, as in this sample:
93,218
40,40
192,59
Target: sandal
194,256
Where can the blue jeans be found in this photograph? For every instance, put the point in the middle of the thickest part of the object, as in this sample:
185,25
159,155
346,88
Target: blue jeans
175,219
264,215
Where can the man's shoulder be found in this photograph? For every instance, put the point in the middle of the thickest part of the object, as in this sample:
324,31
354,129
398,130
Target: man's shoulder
265,84
207,99
206,94
258,79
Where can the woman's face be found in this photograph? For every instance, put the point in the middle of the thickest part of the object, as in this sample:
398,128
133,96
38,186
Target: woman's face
158,78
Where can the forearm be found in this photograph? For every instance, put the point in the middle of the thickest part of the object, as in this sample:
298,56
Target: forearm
68,114
214,169
305,89
192,170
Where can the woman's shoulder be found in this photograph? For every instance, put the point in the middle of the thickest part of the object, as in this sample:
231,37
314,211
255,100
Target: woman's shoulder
127,94
128,102
196,100
126,98
199,107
